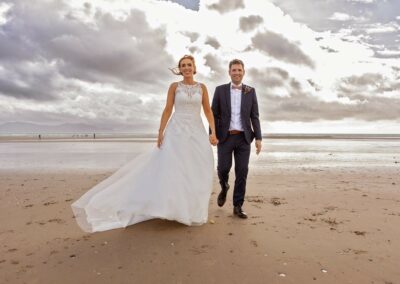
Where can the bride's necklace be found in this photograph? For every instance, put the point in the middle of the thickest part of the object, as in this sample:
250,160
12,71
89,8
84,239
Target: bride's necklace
190,90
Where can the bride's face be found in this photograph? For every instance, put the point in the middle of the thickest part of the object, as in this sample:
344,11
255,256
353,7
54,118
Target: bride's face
187,68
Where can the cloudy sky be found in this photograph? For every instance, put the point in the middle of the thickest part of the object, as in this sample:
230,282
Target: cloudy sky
319,66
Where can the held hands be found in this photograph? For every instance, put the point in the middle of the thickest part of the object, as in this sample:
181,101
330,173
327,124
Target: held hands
258,146
213,139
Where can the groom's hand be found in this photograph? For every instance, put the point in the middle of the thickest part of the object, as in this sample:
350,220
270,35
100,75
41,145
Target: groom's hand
258,146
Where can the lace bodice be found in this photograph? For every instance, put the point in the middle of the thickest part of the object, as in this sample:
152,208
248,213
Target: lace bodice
188,99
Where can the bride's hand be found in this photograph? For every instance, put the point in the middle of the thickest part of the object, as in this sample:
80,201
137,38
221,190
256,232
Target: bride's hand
213,140
160,140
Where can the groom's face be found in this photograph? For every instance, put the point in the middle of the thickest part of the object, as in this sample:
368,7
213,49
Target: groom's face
236,72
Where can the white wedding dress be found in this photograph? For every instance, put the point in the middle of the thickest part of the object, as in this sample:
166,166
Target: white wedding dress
173,183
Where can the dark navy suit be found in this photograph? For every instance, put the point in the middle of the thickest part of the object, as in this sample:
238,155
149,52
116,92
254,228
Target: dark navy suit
239,144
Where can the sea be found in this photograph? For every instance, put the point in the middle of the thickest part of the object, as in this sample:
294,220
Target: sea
109,151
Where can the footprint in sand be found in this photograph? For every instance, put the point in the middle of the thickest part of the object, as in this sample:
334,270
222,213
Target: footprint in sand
310,219
255,217
56,220
354,251
360,233
12,250
49,203
331,221
256,223
276,201
86,238
330,208
199,250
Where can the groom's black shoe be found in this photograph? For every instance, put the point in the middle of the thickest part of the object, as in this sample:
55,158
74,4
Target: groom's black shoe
237,210
222,194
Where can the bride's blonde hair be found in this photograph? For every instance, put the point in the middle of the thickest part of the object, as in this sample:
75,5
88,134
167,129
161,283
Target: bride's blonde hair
176,70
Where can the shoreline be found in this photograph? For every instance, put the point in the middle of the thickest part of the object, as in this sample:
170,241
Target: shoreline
129,137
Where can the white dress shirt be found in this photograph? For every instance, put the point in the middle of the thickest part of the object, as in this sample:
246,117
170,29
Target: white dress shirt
236,99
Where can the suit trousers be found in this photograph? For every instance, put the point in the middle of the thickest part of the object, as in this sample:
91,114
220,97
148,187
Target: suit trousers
237,146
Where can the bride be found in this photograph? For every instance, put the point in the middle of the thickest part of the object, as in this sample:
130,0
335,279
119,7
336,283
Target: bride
173,181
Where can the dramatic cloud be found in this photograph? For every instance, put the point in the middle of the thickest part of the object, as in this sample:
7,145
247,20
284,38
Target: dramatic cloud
362,1
36,54
356,16
328,49
192,35
391,27
369,85
29,80
4,8
224,6
213,42
306,108
283,98
217,71
269,78
103,65
340,17
386,53
132,59
345,17
279,47
249,23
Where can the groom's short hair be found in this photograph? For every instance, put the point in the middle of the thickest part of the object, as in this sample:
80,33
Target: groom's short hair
236,61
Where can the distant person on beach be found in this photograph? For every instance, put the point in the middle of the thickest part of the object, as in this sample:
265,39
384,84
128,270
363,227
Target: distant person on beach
173,181
237,123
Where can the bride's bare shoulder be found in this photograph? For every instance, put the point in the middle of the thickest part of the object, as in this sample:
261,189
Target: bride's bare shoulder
173,86
203,86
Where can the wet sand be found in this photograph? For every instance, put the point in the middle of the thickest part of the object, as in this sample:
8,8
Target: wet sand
306,225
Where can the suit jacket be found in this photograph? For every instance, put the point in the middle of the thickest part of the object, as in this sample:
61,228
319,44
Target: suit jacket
221,107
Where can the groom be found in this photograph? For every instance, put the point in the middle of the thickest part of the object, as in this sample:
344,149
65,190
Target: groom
235,111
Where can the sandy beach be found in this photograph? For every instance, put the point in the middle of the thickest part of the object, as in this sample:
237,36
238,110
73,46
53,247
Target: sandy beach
307,224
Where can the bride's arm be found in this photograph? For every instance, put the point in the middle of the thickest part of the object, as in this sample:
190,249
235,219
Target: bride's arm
209,114
166,113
